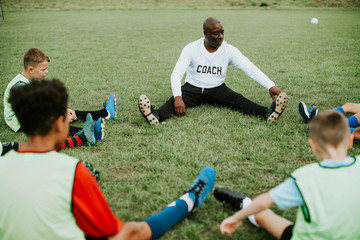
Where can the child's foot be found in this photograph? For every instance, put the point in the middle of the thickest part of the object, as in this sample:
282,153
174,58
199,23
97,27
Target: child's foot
304,111
277,107
315,111
307,113
110,106
230,197
202,185
88,130
147,110
246,202
99,126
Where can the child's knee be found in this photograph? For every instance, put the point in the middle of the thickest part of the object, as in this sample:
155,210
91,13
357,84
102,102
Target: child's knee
136,230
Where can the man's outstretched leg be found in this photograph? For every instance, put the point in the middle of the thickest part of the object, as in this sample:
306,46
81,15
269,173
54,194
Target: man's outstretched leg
161,222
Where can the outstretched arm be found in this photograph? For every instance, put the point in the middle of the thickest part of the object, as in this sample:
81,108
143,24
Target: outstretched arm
274,91
260,203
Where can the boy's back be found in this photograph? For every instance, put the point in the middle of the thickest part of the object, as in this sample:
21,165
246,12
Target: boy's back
48,205
331,201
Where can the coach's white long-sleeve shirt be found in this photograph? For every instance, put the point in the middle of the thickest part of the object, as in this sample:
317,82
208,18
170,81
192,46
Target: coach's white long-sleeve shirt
208,70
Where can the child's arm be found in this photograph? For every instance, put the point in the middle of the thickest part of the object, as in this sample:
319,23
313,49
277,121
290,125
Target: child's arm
260,203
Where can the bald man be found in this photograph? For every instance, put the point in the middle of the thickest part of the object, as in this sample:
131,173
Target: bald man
205,62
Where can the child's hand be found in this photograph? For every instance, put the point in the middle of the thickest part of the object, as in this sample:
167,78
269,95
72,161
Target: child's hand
71,115
229,225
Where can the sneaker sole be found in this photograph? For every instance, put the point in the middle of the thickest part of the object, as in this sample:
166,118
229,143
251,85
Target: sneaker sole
144,107
304,113
280,102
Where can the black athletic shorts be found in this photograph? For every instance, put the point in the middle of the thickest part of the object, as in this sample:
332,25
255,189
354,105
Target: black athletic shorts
287,234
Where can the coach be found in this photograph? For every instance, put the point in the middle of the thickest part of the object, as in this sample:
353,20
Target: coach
205,62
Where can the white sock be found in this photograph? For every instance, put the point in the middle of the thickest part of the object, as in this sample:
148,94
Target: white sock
190,203
246,202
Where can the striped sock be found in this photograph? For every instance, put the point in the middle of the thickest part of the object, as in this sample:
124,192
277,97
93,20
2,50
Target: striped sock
75,141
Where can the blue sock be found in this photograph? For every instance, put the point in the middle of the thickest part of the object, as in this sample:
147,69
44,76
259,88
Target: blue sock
167,218
339,109
353,122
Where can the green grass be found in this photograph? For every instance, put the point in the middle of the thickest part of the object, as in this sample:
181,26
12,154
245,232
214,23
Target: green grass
35,5
132,52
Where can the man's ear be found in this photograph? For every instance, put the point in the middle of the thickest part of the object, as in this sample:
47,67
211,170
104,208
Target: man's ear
313,145
351,141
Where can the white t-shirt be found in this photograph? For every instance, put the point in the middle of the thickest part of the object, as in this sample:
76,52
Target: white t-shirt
208,70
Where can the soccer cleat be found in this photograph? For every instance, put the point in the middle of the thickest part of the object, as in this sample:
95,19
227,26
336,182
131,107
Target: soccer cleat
202,185
230,197
315,111
88,130
99,126
304,111
110,106
277,107
147,110
234,199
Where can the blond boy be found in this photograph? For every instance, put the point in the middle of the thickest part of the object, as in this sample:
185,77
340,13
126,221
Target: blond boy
326,192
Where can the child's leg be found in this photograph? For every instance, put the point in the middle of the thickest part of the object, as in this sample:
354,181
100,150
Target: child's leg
272,222
81,115
356,133
75,141
133,230
179,209
74,130
156,225
108,112
354,120
351,108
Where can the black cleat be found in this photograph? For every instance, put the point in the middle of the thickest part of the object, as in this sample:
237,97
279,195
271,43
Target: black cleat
230,197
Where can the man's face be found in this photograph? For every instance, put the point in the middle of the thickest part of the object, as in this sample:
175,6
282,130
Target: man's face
214,35
40,71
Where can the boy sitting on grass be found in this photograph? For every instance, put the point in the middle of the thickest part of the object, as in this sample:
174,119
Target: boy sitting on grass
326,192
36,68
50,195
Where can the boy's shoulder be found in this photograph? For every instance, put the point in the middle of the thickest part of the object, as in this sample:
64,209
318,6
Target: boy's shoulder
18,80
326,164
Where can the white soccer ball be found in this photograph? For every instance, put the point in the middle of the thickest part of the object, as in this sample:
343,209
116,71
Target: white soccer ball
314,21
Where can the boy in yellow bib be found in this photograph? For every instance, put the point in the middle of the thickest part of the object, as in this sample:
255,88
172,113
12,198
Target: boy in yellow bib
326,192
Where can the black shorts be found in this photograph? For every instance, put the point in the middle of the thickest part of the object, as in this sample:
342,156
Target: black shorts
287,234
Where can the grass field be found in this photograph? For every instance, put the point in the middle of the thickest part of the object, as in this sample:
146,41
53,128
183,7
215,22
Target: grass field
131,52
